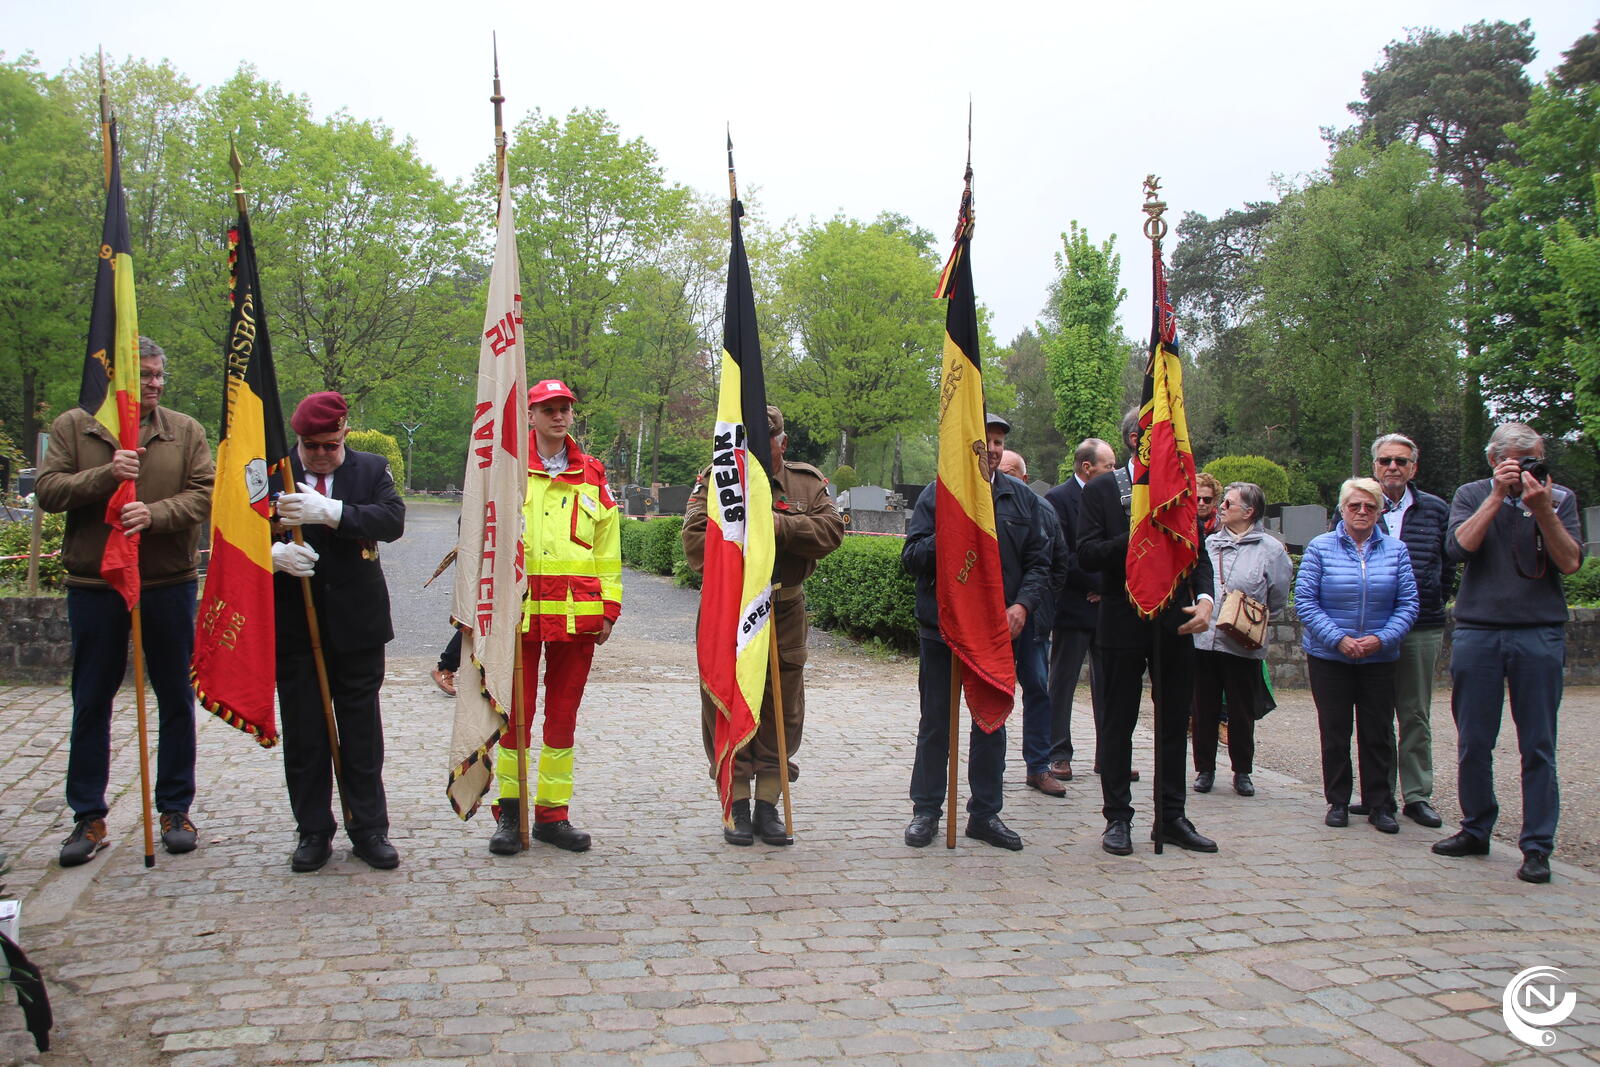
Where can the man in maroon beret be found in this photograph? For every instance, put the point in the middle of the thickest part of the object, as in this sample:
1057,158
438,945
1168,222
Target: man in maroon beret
346,504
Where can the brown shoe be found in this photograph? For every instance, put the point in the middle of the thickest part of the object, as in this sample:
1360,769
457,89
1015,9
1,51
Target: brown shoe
1047,784
446,681
1061,770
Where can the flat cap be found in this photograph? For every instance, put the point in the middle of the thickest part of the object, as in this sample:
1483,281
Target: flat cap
320,413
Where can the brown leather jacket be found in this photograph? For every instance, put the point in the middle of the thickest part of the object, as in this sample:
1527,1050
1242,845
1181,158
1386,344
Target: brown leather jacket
175,476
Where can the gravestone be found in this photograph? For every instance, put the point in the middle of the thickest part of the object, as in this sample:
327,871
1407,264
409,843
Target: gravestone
1299,523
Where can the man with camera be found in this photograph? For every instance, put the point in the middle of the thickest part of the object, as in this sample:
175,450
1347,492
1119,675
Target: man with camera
1517,534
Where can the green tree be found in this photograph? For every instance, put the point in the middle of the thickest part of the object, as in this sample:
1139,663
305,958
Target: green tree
1529,314
591,207
49,184
1359,287
1580,64
866,333
1033,416
1083,349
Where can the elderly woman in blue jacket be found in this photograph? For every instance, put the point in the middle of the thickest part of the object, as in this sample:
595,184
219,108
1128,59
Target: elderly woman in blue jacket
1356,597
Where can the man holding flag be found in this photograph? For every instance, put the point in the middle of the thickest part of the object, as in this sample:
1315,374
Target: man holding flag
172,473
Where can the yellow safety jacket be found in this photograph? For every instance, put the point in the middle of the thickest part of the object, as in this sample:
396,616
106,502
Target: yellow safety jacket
571,548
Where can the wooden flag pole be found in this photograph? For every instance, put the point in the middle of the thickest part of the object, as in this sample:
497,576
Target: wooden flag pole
955,752
1155,228
137,626
777,711
519,715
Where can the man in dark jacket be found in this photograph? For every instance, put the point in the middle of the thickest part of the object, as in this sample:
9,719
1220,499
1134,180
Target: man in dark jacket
1077,609
347,503
173,471
1127,644
1419,520
1021,526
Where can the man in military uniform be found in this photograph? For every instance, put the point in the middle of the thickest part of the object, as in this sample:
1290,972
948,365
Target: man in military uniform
808,527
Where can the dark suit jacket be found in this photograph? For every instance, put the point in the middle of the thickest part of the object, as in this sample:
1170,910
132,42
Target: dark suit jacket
1074,611
1103,547
351,596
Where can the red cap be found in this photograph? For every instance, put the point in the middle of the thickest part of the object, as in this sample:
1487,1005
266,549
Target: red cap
549,389
320,413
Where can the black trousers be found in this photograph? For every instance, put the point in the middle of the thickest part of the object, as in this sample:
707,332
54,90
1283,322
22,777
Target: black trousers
1069,648
354,679
1124,692
986,753
1219,676
1362,693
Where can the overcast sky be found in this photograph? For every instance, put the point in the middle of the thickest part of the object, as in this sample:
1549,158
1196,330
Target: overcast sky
844,107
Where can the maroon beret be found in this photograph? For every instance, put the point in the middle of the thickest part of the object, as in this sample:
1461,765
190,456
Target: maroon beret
320,413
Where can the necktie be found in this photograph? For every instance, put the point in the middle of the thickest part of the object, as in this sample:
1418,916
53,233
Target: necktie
322,484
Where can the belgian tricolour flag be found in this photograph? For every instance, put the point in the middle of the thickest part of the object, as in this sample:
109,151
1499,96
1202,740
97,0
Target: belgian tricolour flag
1163,541
110,389
235,646
971,590
736,592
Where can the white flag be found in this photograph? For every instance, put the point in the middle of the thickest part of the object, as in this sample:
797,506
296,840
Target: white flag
490,582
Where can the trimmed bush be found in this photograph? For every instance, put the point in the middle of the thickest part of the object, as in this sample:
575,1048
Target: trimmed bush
14,539
633,539
861,590
384,445
1273,479
844,477
1583,585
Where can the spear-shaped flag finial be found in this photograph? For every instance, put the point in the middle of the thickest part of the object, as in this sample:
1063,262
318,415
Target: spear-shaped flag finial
733,182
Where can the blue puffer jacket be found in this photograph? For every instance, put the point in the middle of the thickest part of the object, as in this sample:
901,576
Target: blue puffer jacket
1340,594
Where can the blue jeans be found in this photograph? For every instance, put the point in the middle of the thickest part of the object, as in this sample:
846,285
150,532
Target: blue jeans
100,625
1032,654
986,754
1483,663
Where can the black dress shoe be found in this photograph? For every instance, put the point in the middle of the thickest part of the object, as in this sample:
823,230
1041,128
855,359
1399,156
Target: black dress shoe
1360,809
920,830
1204,780
1535,867
769,825
1384,822
1243,785
991,829
562,835
1422,813
374,849
313,852
1338,815
1181,832
1117,839
1462,843
739,833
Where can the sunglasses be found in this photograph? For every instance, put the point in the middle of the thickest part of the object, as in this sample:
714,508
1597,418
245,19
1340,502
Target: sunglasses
322,446
1205,499
1393,461
1360,508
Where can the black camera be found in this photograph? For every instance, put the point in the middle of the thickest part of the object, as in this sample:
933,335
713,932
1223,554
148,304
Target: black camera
1534,465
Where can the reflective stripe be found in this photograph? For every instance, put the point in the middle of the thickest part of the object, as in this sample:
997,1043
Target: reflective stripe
505,772
555,778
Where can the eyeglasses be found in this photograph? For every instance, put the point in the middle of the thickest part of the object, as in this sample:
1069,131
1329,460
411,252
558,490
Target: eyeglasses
1393,461
1360,508
146,376
1205,499
322,446
1226,504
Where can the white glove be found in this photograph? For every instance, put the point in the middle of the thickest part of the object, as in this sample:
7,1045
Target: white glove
309,507
290,558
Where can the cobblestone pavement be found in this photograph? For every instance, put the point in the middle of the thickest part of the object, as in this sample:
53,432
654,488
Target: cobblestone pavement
1296,944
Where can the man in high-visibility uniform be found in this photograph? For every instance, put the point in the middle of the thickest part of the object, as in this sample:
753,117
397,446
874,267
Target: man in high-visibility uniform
572,551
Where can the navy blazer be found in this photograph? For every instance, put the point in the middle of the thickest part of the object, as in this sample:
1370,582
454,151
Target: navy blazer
347,586
1074,610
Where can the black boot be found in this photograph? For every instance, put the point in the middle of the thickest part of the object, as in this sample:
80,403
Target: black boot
768,826
739,832
507,839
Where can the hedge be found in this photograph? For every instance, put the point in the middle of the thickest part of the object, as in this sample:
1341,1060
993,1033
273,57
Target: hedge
14,541
861,590
1273,479
384,445
654,545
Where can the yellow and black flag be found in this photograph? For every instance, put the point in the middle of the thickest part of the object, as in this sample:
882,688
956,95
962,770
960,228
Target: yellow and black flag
235,647
110,388
736,593
970,587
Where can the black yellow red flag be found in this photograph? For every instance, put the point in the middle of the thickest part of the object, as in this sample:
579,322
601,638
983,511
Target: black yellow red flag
235,649
735,622
110,387
1163,541
971,590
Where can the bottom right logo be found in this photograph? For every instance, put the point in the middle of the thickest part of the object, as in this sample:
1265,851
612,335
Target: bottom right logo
1533,1001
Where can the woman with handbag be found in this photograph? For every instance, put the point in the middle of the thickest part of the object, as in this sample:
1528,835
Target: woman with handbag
1252,574
1356,597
